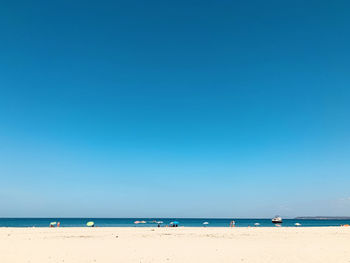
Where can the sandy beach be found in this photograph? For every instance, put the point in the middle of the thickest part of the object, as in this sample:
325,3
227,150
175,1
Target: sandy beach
39,245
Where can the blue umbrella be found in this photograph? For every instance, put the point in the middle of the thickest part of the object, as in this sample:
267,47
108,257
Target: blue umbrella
176,223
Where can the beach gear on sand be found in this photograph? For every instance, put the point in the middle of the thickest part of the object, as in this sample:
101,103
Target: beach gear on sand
52,224
90,224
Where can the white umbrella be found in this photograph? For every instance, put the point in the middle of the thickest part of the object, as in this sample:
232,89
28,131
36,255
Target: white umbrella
206,223
257,224
297,224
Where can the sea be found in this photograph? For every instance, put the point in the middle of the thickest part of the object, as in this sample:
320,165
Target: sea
182,222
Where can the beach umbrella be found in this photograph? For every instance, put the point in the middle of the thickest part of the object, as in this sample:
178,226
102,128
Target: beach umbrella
159,222
90,224
297,224
174,223
256,224
206,223
53,223
137,222
143,222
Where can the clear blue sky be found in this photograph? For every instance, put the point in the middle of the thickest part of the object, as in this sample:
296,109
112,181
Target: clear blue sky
174,108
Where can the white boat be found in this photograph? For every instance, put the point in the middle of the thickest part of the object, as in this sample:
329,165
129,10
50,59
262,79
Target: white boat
277,220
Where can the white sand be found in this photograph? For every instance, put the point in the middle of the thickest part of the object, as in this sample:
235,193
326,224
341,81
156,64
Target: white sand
304,245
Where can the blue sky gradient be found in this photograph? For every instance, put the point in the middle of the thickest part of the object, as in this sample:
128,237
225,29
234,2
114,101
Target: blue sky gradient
174,108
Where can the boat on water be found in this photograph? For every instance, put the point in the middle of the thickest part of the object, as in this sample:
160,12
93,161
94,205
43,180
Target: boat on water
277,220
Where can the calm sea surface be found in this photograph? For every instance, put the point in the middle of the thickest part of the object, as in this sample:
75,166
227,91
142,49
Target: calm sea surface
187,222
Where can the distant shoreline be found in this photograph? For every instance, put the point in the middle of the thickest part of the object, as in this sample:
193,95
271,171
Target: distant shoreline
324,217
161,222
185,218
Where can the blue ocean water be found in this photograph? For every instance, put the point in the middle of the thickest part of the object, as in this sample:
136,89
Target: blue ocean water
186,222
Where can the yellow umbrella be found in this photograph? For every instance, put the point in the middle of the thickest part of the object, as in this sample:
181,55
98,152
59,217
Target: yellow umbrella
90,224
